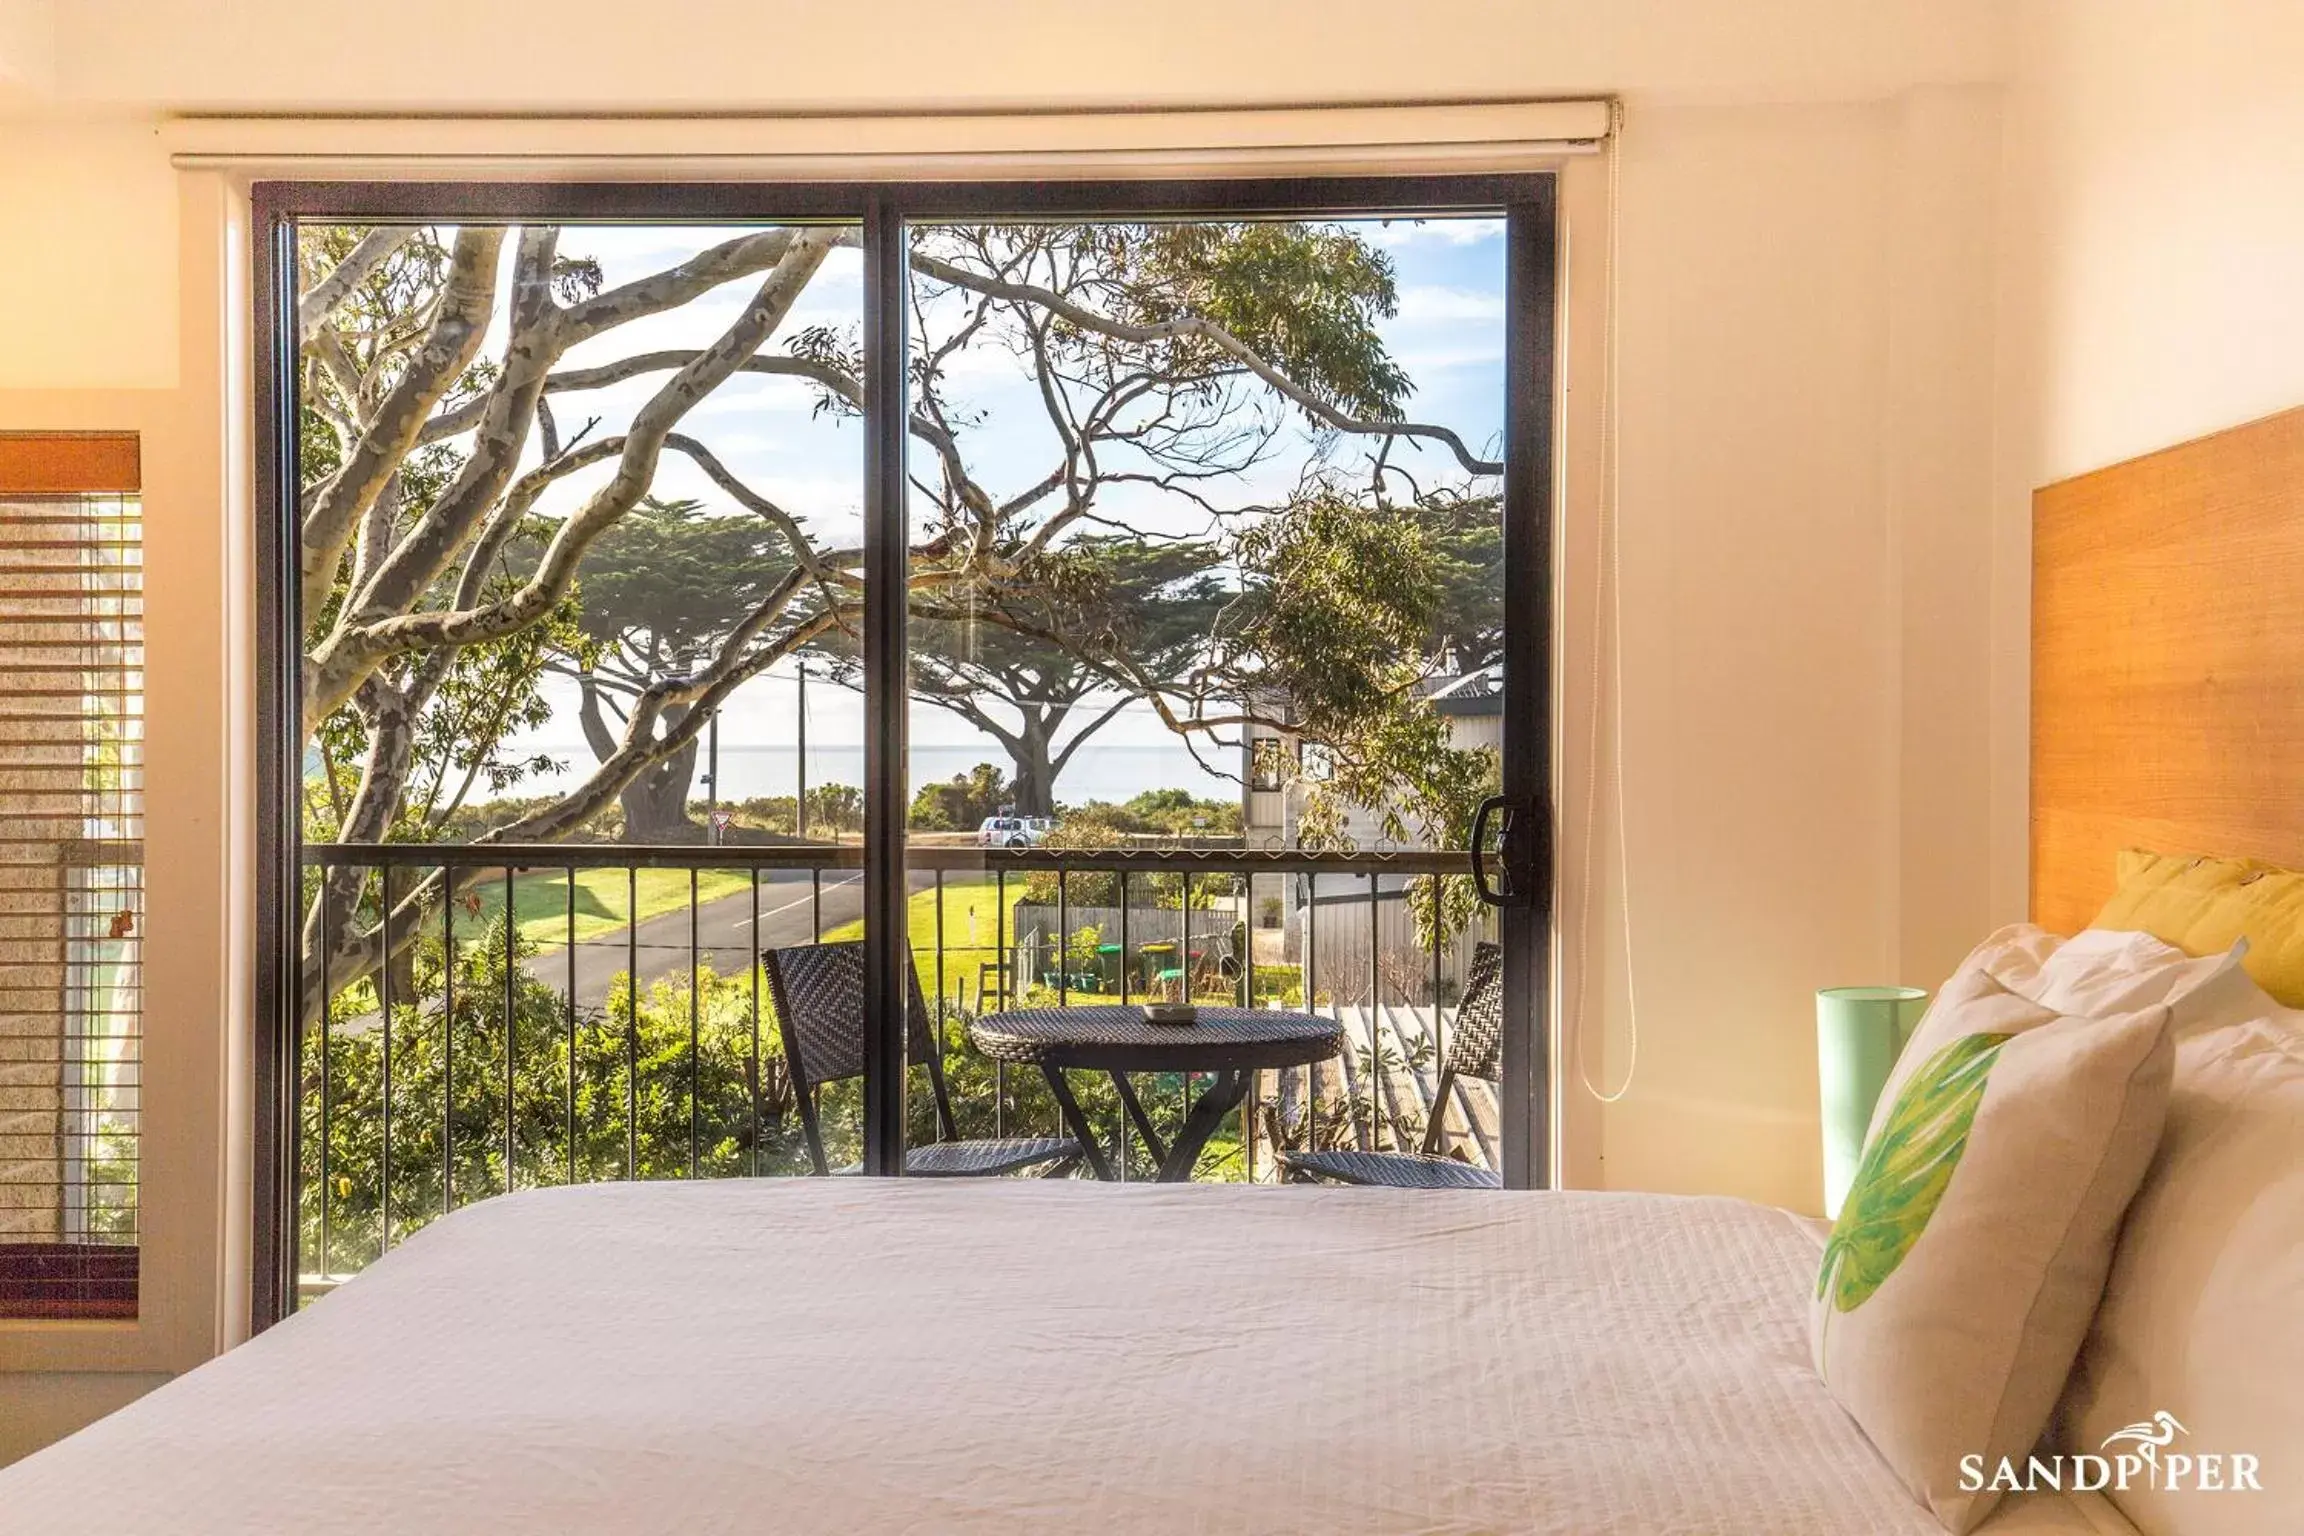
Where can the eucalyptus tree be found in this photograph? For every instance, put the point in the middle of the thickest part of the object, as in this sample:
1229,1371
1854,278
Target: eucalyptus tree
1041,698
447,514
661,592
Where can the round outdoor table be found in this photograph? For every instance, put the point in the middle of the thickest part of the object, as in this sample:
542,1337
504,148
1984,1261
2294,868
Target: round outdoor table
1227,1044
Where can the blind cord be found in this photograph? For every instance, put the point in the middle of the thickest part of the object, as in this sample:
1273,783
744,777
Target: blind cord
1607,668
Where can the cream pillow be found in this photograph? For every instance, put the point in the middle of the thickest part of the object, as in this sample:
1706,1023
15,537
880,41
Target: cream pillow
1964,1268
2203,1311
2094,972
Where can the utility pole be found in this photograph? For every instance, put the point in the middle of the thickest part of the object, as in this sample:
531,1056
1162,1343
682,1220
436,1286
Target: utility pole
800,824
712,774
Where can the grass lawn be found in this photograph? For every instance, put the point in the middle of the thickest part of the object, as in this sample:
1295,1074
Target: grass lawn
970,928
541,900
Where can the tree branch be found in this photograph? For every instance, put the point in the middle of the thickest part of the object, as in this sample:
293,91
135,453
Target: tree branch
675,286
1209,331
374,249
1091,728
359,648
456,514
458,327
803,551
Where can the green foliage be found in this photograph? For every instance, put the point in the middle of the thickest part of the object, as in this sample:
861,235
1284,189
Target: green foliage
834,808
1154,813
962,802
666,584
1305,297
1151,815
1465,537
1173,811
1095,595
473,820
1906,1170
1347,654
622,1075
627,1062
1338,644
1283,984
1079,950
1022,659
489,693
663,591
110,1179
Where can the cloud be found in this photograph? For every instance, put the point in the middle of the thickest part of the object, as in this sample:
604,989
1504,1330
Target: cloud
1428,302
1430,357
1392,234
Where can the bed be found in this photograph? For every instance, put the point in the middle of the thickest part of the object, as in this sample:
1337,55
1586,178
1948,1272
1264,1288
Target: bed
1024,1356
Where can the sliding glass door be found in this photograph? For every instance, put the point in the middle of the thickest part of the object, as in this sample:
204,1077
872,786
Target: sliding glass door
1068,596
1208,657
577,505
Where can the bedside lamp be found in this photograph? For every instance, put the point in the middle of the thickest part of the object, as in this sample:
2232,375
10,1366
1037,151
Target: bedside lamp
1859,1030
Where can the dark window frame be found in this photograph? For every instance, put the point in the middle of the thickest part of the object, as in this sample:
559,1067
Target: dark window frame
1528,200
1267,763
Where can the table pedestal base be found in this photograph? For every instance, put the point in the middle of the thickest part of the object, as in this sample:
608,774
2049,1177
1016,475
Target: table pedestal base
1223,1094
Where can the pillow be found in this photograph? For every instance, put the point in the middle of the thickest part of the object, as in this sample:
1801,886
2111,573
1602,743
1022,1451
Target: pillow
1960,1278
2094,972
2099,971
2203,1311
2205,906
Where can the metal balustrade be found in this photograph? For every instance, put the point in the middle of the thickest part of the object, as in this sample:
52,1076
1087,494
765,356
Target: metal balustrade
565,1013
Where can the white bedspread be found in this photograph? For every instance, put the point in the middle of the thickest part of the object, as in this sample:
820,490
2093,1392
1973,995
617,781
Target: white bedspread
1015,1357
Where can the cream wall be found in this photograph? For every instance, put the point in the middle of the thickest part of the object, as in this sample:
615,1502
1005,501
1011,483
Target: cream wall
690,55
1808,217
54,1376
89,297
2153,281
27,47
2163,177
1806,332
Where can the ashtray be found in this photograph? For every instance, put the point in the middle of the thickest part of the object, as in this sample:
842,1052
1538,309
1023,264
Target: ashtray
1171,1013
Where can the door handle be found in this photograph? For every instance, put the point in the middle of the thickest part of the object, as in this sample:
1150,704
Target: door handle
1499,893
1520,833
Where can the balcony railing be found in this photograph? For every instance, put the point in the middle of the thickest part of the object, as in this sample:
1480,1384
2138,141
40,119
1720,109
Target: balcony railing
566,1013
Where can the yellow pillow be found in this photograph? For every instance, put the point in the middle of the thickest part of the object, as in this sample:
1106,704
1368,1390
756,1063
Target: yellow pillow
2202,905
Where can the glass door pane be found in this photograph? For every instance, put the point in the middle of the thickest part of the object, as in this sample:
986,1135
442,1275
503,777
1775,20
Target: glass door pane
581,509
1207,659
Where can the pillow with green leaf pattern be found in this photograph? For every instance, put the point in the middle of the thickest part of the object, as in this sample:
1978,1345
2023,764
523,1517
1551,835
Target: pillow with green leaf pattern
1970,1255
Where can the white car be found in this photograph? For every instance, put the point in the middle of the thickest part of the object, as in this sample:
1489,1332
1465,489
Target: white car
1014,831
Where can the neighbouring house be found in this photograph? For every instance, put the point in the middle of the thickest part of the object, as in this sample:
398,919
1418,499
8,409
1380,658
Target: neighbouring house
1278,770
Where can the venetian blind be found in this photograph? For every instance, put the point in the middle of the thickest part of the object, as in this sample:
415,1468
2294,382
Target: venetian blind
71,873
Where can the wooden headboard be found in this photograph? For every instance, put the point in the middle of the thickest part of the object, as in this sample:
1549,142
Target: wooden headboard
2168,662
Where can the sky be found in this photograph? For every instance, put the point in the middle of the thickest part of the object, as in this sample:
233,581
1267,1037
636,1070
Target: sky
1448,335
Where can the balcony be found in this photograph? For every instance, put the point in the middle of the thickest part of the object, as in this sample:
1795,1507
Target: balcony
642,1042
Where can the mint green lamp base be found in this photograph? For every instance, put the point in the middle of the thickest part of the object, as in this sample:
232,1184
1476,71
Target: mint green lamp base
1859,1031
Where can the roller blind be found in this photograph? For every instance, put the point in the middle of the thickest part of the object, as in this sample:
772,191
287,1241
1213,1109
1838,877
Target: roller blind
71,874
1453,139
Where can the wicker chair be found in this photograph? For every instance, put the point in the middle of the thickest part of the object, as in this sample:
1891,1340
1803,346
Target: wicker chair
819,995
1475,1049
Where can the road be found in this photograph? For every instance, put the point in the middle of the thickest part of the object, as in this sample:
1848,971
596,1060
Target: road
790,913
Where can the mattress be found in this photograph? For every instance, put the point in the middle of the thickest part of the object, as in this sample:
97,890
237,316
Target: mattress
1021,1356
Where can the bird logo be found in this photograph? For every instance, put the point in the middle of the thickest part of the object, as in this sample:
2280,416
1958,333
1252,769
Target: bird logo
2148,1435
